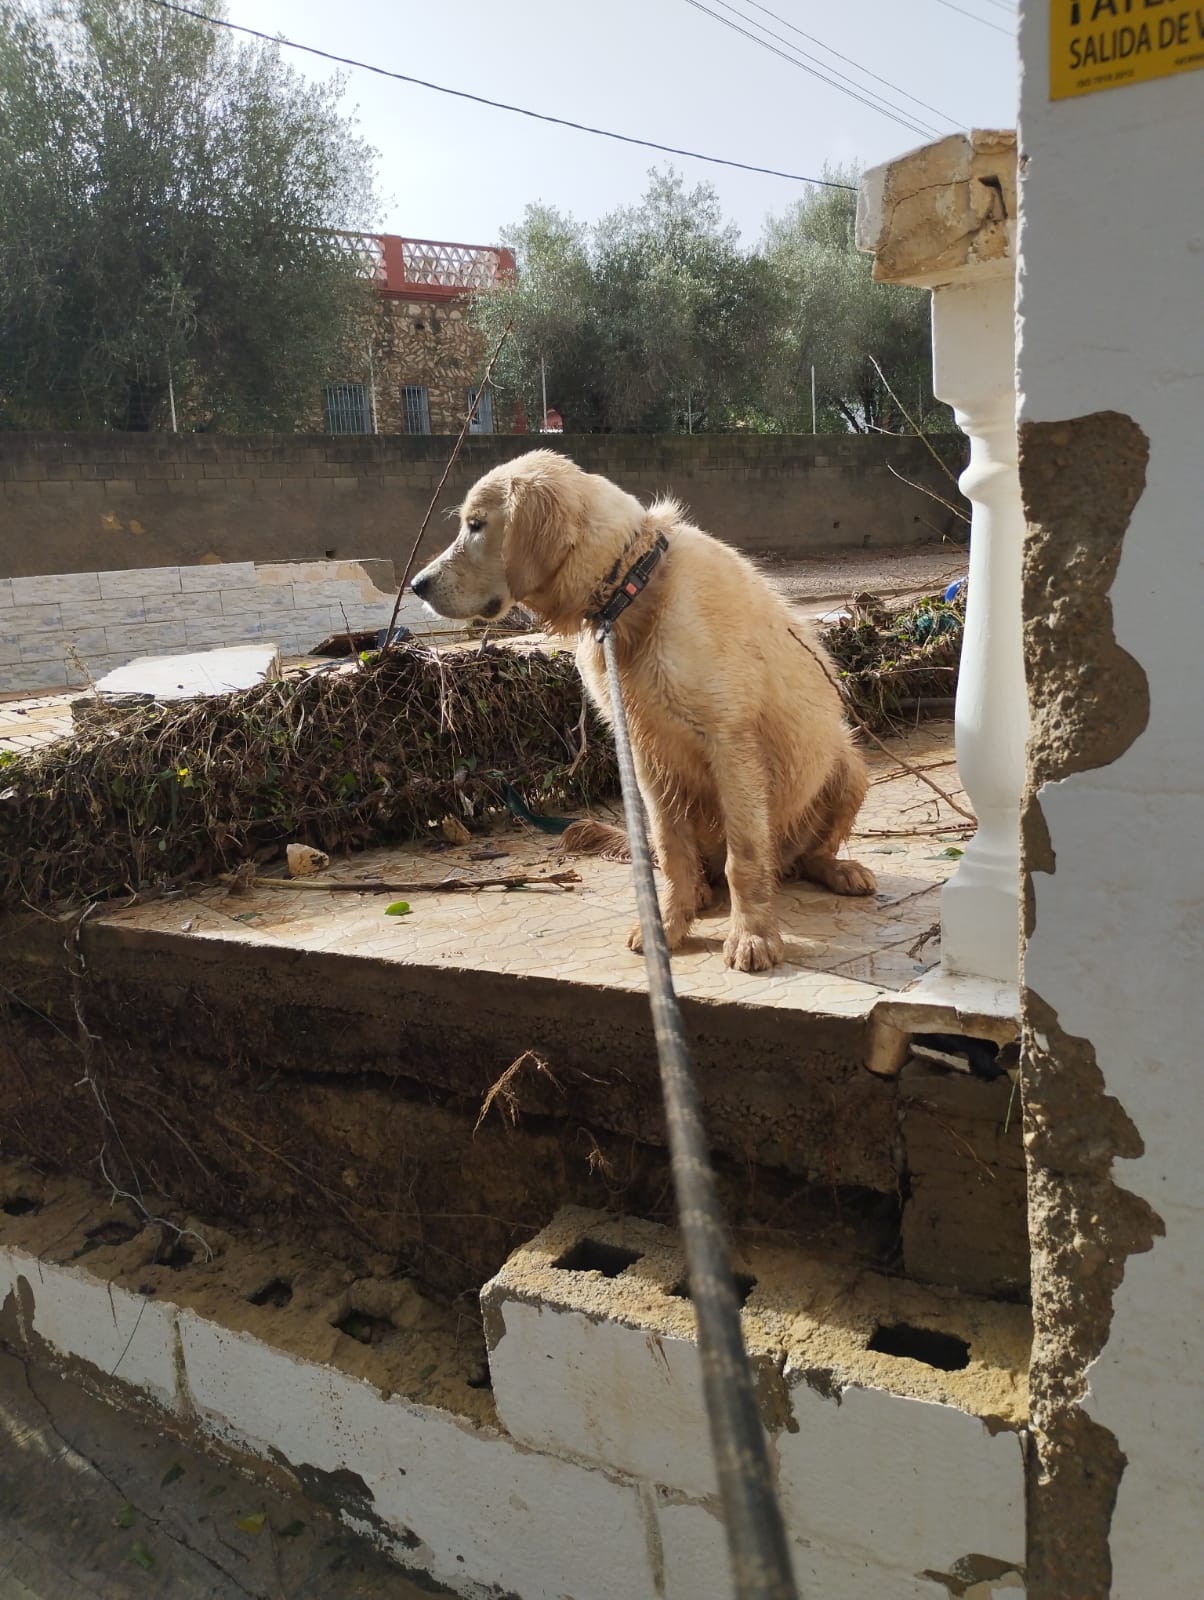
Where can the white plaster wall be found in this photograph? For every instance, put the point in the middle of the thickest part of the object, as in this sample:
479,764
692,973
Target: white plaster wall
1111,317
109,618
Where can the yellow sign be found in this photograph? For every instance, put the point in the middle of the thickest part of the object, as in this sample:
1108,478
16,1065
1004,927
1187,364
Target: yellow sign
1104,44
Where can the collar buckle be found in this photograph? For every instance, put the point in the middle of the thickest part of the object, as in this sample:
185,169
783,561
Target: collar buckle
634,582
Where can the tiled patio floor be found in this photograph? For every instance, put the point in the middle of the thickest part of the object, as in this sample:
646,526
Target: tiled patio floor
842,953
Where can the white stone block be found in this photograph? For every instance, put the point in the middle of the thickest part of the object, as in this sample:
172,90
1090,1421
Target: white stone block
923,1483
6,592
114,613
55,587
124,1335
30,619
57,646
204,672
10,649
258,597
140,638
182,607
139,581
33,675
218,575
469,1505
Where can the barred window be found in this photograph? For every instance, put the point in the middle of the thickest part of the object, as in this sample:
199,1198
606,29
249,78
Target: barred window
417,401
482,421
347,408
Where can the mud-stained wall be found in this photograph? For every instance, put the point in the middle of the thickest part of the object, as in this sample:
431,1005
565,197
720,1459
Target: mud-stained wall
1111,377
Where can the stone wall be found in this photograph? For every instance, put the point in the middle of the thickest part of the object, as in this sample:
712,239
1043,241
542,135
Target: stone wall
99,502
60,629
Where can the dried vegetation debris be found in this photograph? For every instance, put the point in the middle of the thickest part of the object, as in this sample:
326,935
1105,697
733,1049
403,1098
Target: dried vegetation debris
144,796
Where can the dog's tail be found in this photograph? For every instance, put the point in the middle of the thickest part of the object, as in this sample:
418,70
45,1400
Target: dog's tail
590,838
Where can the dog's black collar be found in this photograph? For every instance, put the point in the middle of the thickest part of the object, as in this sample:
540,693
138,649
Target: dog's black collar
635,580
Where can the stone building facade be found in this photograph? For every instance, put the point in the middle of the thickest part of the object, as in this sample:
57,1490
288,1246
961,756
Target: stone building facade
420,359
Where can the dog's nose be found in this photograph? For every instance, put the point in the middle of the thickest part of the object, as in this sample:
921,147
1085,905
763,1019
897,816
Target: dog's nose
421,584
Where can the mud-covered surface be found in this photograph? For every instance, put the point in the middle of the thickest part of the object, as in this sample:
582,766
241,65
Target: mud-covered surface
1089,701
266,1087
357,1312
263,1098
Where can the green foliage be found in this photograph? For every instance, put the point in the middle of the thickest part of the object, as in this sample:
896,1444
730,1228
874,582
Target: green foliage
166,201
653,319
839,318
657,318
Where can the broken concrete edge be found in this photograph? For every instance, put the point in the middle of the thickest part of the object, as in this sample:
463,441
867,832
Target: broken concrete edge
193,674
942,212
1081,481
787,1317
941,1002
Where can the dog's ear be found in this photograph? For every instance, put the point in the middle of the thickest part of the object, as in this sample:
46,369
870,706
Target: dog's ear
537,532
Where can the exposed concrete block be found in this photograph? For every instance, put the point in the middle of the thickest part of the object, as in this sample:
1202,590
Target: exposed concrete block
218,575
594,1356
881,1472
121,1334
55,587
467,1505
139,581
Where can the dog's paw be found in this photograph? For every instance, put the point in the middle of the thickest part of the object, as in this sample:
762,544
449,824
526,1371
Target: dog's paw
752,952
676,931
850,877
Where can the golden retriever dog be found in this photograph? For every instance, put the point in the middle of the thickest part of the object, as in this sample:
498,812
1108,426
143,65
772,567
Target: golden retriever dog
743,757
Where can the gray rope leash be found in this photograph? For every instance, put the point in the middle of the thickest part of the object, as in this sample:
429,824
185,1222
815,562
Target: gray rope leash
756,1534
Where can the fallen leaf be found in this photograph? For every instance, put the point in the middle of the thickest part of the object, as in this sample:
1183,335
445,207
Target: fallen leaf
252,1523
399,908
140,1554
291,1530
952,851
125,1518
169,1477
427,1370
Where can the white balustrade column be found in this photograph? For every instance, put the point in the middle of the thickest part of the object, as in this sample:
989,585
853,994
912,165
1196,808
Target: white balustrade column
973,339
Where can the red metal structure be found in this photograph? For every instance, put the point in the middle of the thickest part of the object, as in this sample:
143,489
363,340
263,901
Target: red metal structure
427,269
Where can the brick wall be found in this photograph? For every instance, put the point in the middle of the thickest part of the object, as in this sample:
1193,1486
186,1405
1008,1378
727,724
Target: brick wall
86,503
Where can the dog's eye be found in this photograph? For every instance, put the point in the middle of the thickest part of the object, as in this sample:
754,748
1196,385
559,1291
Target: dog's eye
475,524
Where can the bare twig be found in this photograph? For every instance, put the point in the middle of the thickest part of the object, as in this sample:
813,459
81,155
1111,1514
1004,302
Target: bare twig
928,445
514,880
893,754
430,510
503,1088
931,493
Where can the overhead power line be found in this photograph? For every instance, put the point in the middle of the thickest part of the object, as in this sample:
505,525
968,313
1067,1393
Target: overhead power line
974,17
849,60
903,118
495,105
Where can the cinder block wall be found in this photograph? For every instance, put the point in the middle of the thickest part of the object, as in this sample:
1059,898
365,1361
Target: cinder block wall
100,502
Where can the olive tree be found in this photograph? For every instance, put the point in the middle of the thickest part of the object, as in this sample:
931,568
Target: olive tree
168,201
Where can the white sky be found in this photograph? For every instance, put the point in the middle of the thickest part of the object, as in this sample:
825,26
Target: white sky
658,69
